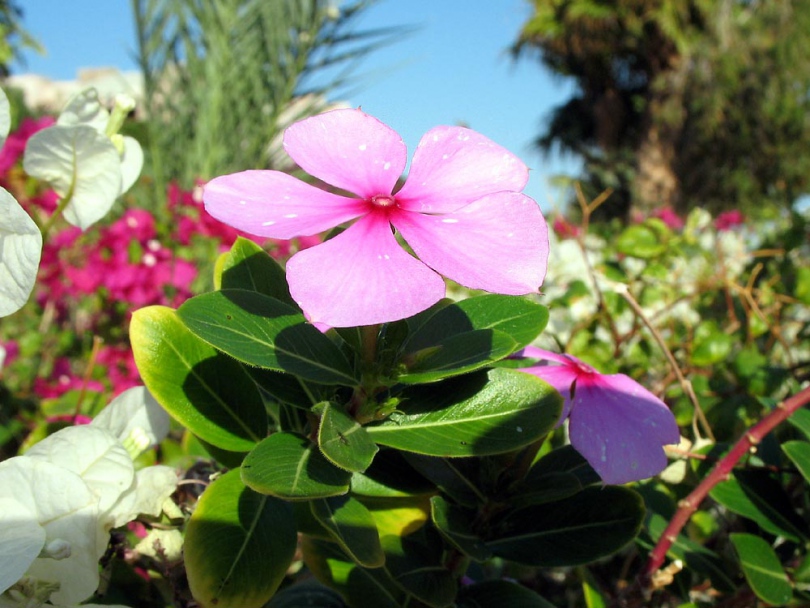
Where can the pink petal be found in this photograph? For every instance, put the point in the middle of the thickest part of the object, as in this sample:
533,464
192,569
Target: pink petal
348,149
362,277
499,243
532,352
276,205
453,166
560,377
620,428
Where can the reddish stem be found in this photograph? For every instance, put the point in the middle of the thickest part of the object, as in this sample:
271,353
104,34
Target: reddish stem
720,472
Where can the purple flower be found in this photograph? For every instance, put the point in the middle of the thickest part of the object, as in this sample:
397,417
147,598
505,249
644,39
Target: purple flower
460,211
617,425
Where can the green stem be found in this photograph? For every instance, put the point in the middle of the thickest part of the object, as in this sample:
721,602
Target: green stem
368,338
57,212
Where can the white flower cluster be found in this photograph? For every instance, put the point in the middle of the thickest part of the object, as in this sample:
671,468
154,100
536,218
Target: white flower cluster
59,501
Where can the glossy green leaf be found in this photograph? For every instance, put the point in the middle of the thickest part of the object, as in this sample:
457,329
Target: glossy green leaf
757,496
248,266
458,478
390,476
490,412
577,530
499,593
451,339
518,317
290,466
262,331
800,419
799,454
414,562
762,569
454,524
343,441
361,586
204,390
352,526
238,545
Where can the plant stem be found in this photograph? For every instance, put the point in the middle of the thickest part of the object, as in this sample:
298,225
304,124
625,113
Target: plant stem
720,472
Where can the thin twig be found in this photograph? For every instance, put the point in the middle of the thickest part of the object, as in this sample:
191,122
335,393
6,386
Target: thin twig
720,472
686,385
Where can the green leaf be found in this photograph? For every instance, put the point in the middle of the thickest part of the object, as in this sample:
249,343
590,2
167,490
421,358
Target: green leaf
467,335
577,530
762,569
261,331
459,478
499,593
248,266
238,545
799,453
757,496
490,412
352,526
290,466
361,586
343,441
390,476
518,317
204,390
710,349
308,593
414,562
800,419
454,524
645,241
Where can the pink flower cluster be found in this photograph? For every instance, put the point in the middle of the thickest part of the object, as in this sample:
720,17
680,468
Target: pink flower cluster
128,263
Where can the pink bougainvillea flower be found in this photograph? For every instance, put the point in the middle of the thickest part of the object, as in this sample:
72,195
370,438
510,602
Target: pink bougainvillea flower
729,219
460,211
617,425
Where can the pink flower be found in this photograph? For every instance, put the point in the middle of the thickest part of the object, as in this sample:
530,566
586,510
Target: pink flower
460,211
15,144
617,425
565,229
729,219
669,217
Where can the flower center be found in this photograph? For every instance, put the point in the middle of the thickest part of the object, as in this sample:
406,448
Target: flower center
383,200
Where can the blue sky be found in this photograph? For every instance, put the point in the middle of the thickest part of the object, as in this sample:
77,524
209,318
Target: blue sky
455,67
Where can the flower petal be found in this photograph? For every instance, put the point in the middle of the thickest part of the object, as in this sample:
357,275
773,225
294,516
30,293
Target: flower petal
362,277
560,377
276,205
21,540
20,251
453,166
348,149
620,428
499,243
67,509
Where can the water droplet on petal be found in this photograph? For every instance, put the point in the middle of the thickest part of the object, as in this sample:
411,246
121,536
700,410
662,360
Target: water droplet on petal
243,202
362,147
291,216
267,223
449,220
386,166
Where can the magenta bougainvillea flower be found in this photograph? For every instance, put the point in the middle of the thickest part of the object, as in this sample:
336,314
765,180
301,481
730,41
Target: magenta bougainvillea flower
460,211
617,425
